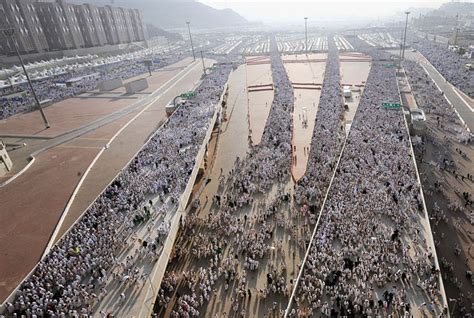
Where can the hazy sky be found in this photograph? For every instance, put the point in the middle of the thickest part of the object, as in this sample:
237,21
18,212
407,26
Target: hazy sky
319,11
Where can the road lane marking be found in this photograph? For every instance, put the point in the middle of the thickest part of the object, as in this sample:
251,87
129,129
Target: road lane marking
83,177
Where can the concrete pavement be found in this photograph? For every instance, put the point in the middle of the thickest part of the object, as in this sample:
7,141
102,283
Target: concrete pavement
464,110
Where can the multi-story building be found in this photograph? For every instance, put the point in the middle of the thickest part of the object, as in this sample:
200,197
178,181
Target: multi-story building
128,24
53,21
72,23
98,24
137,24
51,25
91,25
109,25
120,26
20,15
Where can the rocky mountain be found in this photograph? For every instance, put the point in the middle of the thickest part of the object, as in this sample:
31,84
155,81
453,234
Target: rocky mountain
174,13
155,31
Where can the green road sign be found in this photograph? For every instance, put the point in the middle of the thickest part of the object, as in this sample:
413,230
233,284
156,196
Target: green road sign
188,95
390,65
391,105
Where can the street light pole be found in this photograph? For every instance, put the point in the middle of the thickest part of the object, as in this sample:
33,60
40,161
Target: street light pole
203,65
405,34
191,39
169,46
11,33
306,34
401,47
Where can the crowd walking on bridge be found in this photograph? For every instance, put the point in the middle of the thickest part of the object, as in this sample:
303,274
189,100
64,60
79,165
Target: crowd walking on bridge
73,276
371,254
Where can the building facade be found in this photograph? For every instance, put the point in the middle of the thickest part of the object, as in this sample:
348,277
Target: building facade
128,24
53,21
98,24
119,22
73,24
51,25
91,25
109,25
21,16
137,24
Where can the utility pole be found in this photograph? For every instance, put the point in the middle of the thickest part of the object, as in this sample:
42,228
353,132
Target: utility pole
306,34
191,39
401,47
456,36
203,65
456,30
169,46
405,34
10,32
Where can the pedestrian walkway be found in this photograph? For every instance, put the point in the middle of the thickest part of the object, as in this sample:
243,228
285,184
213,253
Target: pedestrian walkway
462,107
260,101
123,289
303,75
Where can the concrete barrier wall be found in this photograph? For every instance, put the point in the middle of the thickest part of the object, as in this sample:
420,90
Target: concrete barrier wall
136,85
110,85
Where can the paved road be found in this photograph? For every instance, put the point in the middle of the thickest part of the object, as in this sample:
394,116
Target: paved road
30,208
126,145
464,110
139,296
72,113
260,102
81,116
305,105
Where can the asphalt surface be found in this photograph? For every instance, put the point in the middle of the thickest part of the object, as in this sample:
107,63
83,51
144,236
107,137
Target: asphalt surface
464,111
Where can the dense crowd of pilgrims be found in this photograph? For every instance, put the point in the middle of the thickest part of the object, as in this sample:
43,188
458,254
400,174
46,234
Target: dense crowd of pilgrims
432,101
360,262
72,278
18,98
450,64
232,240
446,136
369,251
328,136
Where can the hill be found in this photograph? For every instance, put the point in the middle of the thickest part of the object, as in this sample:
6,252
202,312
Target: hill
174,13
155,31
